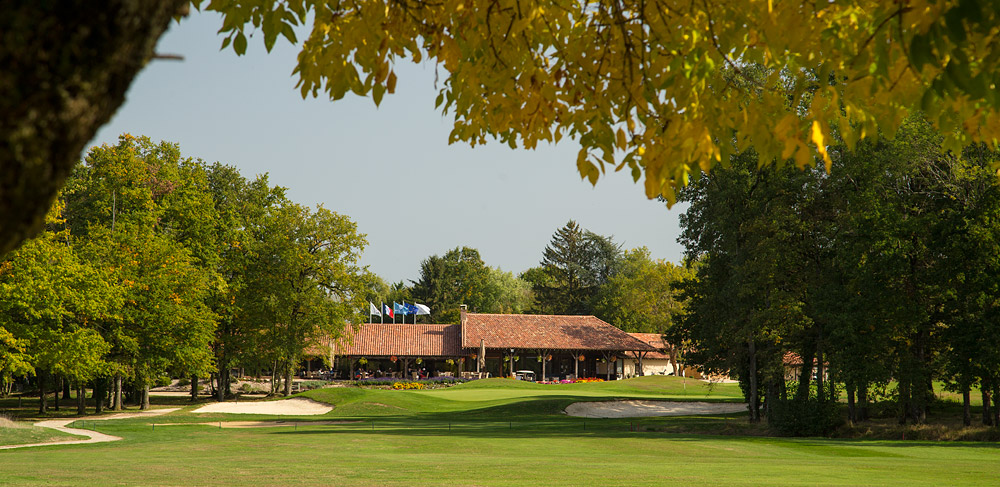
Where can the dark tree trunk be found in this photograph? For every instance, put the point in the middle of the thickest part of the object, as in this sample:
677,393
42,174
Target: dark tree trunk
100,392
55,397
805,375
987,415
194,388
904,399
754,390
863,399
769,399
144,398
81,399
996,410
222,390
966,407
820,395
42,395
67,68
65,388
288,379
851,407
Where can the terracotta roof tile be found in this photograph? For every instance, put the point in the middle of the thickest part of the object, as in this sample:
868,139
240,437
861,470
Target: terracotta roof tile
386,339
552,332
654,340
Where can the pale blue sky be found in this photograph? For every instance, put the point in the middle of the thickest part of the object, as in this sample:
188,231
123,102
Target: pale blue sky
389,168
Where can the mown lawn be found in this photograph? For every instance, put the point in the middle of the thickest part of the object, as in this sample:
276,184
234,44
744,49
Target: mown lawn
25,433
487,433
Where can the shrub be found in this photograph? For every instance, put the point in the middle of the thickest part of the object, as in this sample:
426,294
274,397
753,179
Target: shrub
162,381
805,418
183,381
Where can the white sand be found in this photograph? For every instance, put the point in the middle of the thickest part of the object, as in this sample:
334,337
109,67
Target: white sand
639,409
297,406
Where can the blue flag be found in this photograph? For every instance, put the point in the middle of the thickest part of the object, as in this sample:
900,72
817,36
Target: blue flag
400,309
411,309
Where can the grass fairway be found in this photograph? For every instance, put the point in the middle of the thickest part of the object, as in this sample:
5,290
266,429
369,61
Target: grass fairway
23,434
485,433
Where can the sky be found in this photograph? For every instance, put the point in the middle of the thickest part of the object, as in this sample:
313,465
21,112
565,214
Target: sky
389,168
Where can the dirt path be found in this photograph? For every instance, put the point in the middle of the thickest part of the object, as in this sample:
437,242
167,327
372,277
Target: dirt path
92,436
639,409
297,406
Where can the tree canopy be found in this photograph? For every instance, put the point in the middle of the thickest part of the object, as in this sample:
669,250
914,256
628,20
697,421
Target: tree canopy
884,270
658,88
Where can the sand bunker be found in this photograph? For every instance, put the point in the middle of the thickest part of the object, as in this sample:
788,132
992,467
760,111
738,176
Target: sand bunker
640,409
287,407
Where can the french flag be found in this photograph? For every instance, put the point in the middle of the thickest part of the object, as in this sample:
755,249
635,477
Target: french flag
387,310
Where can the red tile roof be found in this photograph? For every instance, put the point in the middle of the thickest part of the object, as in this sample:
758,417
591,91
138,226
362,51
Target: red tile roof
654,340
387,339
551,332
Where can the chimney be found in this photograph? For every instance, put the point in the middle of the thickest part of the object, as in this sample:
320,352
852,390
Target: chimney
463,314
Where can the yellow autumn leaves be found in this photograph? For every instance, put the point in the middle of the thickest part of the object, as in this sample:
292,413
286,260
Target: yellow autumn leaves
666,89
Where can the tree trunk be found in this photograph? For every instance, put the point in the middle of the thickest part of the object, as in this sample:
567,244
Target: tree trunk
673,360
996,410
59,383
81,399
118,393
820,380
100,392
222,389
851,408
74,62
966,409
144,404
42,396
769,400
288,379
805,374
863,399
194,388
754,400
987,415
904,399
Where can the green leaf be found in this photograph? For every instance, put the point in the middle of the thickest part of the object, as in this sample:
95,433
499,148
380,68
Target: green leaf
956,30
240,44
921,52
377,92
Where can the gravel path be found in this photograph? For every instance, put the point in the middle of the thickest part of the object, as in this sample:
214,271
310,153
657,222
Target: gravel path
92,436
639,409
297,406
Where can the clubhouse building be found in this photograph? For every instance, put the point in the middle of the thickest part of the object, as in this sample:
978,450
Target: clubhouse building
544,347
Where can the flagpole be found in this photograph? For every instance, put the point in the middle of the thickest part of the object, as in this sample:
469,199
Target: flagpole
381,312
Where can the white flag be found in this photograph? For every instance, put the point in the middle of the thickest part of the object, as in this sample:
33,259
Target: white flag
422,310
372,310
